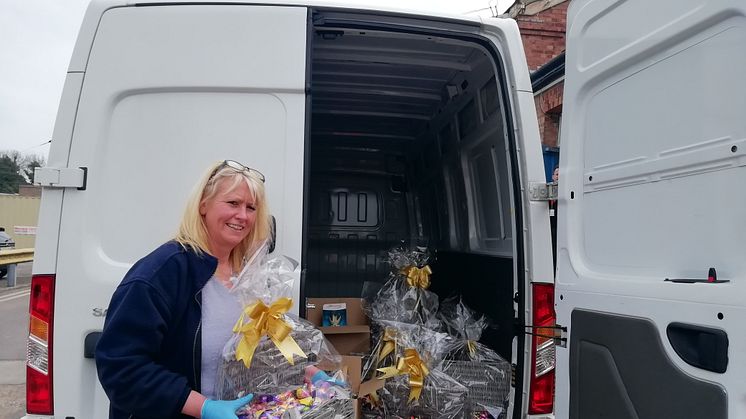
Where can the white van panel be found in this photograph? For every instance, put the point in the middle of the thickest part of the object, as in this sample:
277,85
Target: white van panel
656,177
501,33
536,234
51,204
654,151
88,28
158,125
165,94
652,158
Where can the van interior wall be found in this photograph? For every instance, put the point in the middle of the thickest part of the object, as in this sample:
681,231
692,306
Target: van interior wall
408,146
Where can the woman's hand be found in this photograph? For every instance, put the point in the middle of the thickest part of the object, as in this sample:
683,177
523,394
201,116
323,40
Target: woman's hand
224,409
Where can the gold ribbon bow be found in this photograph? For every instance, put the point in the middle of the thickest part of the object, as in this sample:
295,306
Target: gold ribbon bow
389,343
258,320
410,364
472,346
386,346
418,277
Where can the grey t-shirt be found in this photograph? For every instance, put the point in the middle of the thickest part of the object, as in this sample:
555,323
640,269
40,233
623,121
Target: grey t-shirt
220,311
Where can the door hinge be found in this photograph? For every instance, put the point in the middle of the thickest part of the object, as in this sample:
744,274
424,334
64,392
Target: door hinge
557,332
67,177
542,191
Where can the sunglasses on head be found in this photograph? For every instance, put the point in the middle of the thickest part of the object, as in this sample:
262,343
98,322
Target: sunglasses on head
239,168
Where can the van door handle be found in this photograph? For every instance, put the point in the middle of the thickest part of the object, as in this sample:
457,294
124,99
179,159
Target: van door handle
89,345
712,278
699,346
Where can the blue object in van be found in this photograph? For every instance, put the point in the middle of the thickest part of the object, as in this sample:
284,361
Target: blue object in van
334,314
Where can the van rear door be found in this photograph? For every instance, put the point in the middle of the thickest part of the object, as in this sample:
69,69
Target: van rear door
651,198
168,89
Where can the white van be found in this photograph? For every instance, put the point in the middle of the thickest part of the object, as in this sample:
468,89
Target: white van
375,127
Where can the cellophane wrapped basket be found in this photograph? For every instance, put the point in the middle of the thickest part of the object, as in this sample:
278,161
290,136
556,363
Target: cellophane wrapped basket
485,374
264,288
419,355
405,297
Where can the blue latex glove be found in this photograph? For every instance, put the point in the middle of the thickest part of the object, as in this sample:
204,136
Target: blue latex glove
224,409
322,376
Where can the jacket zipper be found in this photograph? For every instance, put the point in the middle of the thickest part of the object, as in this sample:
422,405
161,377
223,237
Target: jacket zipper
196,334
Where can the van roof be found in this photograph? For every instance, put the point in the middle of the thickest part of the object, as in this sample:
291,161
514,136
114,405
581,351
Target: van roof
97,7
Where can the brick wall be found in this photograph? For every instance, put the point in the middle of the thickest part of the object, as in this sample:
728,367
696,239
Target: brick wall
548,111
543,34
29,190
542,24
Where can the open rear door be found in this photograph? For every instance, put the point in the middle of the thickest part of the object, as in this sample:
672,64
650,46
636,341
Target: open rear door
651,198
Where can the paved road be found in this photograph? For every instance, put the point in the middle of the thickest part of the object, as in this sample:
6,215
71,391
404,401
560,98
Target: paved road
13,331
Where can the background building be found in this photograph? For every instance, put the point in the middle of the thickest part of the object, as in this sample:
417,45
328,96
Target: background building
19,214
543,24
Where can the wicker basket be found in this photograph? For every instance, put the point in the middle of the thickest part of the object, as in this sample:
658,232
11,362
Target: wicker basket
488,383
268,374
334,409
441,397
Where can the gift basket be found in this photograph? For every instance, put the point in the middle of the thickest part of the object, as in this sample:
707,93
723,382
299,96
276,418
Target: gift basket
270,349
416,384
485,374
403,299
405,296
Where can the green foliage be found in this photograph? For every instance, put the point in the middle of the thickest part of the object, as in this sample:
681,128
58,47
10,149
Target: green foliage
17,169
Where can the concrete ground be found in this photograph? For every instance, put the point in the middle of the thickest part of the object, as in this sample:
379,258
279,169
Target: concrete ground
12,396
23,279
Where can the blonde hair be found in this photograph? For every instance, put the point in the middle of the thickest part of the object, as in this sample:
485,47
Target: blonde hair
192,230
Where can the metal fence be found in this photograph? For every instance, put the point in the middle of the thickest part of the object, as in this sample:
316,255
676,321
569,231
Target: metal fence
10,258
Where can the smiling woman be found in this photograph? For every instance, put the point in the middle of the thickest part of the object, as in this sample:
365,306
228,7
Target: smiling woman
160,304
229,216
231,201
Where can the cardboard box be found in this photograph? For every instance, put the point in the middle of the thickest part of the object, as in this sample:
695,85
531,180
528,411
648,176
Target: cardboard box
352,366
352,339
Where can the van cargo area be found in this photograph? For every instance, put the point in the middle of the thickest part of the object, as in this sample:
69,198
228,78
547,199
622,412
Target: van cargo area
410,144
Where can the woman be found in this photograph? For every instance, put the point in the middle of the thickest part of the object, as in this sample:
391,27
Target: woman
171,315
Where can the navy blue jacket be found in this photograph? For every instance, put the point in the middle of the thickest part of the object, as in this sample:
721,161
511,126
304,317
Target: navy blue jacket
149,354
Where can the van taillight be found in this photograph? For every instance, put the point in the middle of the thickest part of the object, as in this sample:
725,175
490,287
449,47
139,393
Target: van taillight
541,391
39,346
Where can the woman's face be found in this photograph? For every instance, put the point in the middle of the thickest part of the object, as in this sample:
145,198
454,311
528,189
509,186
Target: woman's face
229,215
555,174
